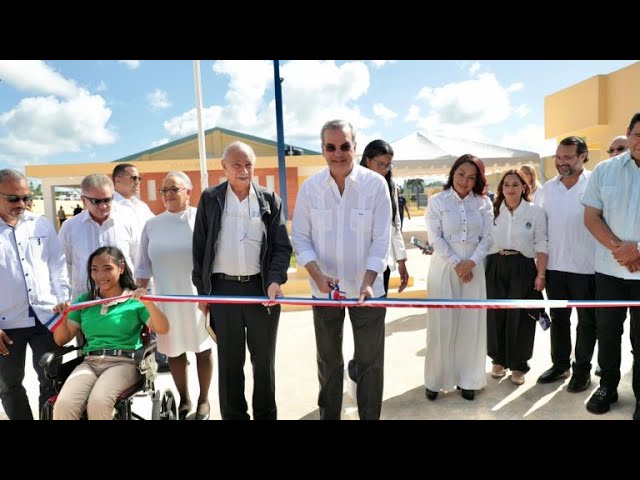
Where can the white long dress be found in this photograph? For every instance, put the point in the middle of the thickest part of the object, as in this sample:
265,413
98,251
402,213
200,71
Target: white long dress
459,229
166,255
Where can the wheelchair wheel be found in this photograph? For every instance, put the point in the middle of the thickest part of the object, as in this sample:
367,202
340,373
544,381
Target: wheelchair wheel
47,411
164,408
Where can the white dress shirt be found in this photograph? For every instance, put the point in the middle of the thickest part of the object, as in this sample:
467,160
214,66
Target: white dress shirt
240,236
454,220
136,207
345,234
524,229
397,250
33,271
571,246
81,236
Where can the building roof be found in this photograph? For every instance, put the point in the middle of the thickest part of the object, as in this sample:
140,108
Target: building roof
190,138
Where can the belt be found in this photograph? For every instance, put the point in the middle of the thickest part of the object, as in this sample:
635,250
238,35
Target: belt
509,252
110,352
235,278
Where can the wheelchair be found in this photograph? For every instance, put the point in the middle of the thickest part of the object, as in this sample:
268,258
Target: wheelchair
164,406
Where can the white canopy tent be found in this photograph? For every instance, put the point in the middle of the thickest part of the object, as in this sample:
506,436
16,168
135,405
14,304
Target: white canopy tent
419,155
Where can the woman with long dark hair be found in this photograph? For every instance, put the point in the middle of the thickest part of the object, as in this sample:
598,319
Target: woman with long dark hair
520,235
112,331
459,224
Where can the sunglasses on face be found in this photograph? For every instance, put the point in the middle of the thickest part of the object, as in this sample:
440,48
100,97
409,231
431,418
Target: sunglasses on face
17,198
345,147
617,149
135,178
99,201
174,190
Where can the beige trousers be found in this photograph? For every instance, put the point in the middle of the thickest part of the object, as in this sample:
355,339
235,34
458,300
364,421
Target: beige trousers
94,386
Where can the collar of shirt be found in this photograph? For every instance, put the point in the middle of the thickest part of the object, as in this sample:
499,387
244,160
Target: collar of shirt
105,306
85,217
355,176
234,202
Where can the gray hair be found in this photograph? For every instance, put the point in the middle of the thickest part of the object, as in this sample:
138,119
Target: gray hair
620,137
186,181
337,125
241,146
96,180
11,175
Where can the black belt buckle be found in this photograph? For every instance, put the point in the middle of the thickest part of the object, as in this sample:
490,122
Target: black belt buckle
242,278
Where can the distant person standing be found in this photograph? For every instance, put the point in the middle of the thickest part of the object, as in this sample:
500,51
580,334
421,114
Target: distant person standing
531,178
34,280
126,183
61,215
77,210
570,269
402,207
618,145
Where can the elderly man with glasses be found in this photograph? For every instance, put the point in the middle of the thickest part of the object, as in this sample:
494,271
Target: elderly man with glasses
618,145
97,226
34,280
570,270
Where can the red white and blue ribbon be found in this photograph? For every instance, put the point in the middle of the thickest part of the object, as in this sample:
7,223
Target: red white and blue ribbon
54,321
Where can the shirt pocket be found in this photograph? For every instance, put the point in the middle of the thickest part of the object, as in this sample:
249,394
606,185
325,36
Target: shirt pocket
361,220
37,246
254,231
321,219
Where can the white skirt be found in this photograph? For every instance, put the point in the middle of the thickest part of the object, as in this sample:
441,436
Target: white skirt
456,338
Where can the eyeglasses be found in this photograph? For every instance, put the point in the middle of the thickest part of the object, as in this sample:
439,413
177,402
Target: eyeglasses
565,158
382,165
17,198
345,147
619,149
99,201
174,190
135,178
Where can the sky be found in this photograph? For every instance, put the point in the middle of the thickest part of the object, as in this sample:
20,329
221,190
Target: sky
78,111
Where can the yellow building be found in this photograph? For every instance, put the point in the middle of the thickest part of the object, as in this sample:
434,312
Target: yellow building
597,109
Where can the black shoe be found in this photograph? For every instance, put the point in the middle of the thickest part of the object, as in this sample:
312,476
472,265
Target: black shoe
431,395
579,382
468,394
636,414
351,369
601,400
552,375
598,372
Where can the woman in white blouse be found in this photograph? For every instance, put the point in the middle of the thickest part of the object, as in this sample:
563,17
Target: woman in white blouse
520,235
459,224
166,255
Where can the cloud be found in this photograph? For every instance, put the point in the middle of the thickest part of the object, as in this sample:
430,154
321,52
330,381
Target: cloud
130,64
383,112
465,106
36,77
521,110
158,99
530,137
382,63
102,87
473,69
65,118
157,143
313,92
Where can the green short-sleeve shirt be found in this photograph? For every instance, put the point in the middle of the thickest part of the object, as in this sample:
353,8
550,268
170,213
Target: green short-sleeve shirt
117,326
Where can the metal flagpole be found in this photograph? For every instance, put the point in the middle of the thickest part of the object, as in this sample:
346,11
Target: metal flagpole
204,174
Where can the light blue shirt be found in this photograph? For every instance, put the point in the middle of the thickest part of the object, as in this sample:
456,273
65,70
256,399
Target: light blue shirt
614,188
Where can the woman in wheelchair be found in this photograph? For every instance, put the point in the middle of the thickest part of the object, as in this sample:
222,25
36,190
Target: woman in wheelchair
112,332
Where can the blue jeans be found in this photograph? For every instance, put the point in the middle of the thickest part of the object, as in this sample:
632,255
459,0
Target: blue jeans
12,393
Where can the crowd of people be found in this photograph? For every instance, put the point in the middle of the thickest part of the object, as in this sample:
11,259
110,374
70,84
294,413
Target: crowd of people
575,237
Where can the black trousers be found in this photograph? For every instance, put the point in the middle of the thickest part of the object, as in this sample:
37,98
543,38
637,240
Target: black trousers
368,337
258,327
572,286
511,332
611,326
12,393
